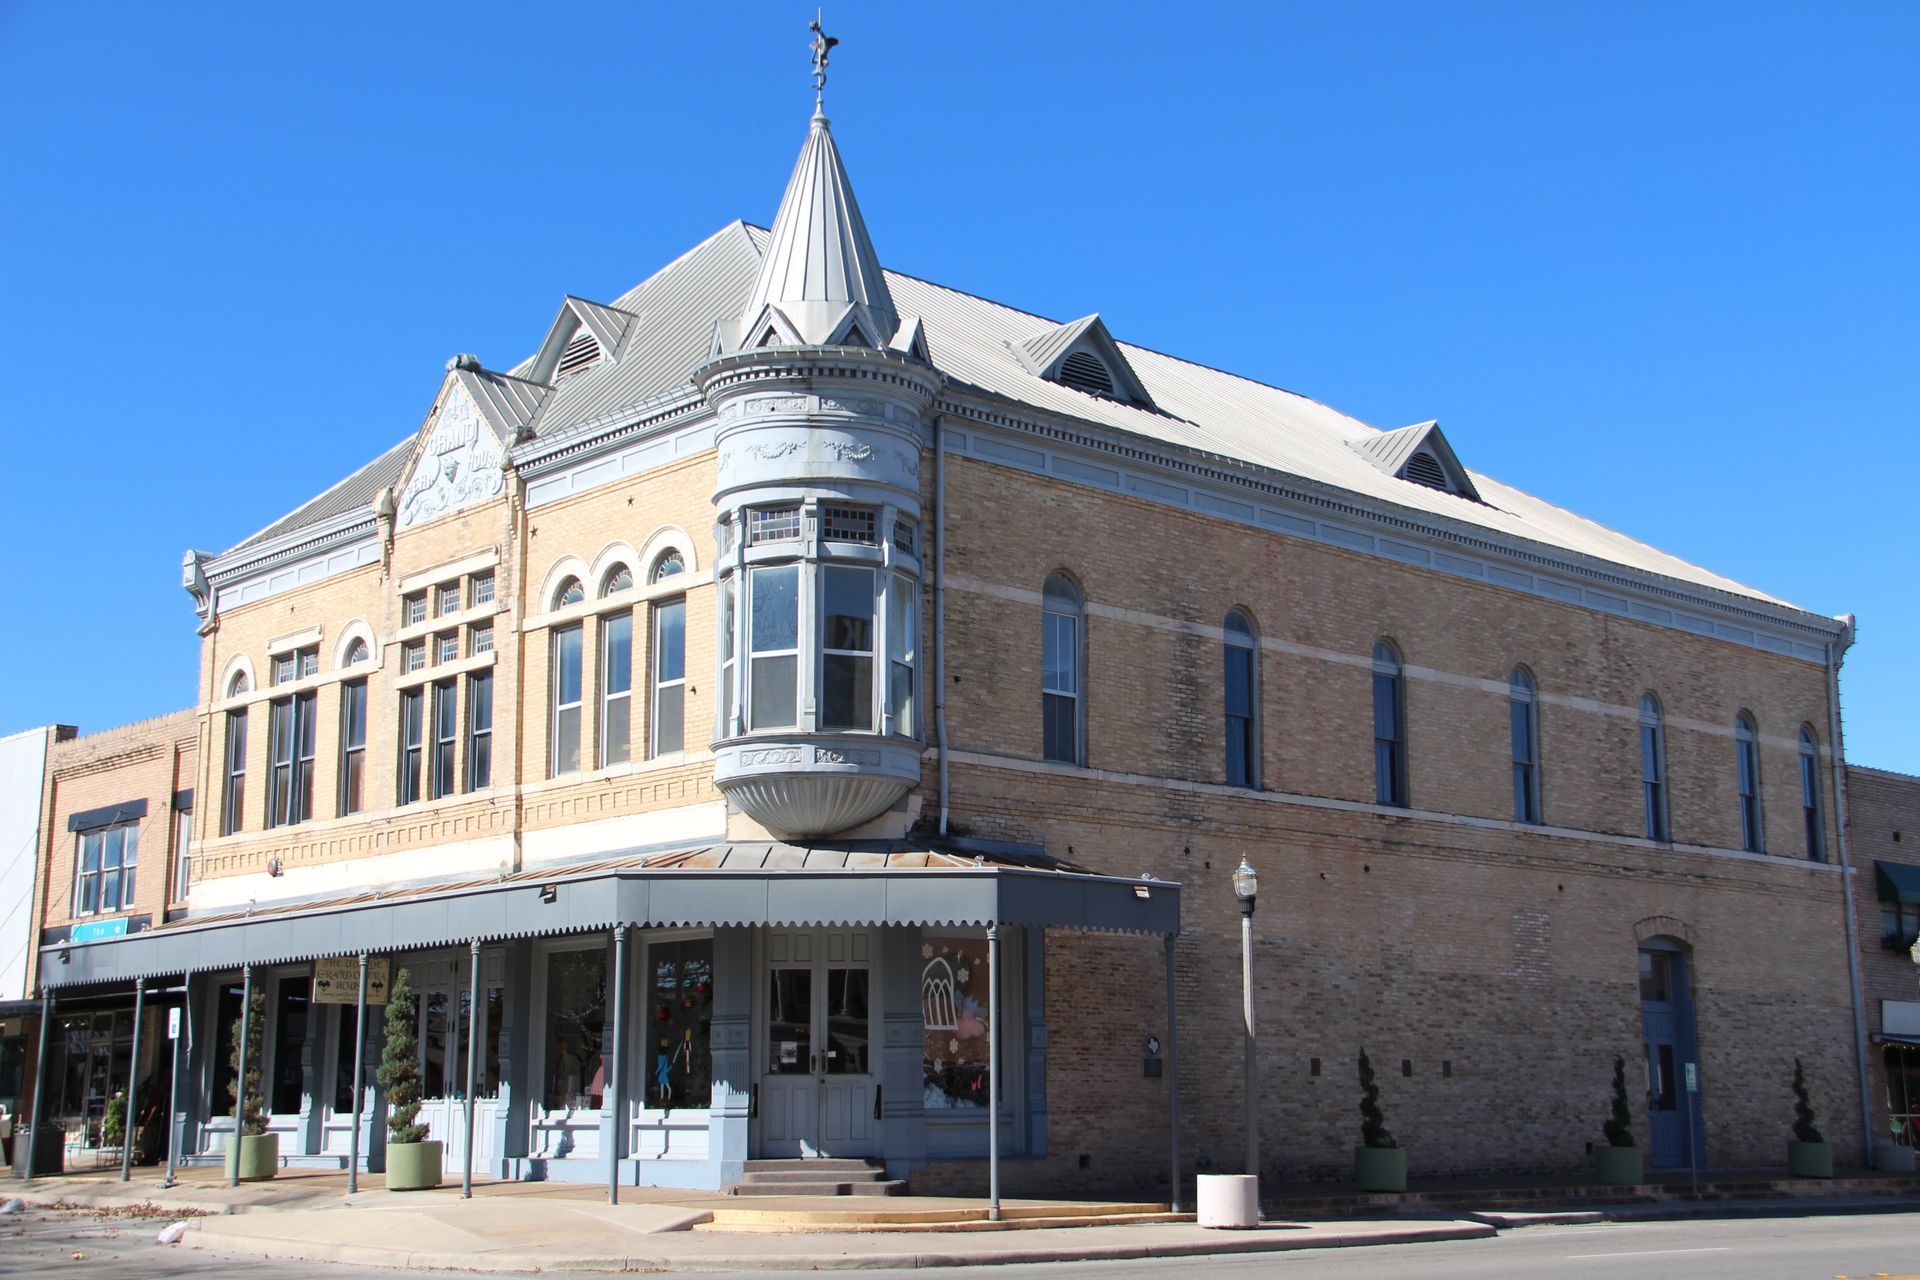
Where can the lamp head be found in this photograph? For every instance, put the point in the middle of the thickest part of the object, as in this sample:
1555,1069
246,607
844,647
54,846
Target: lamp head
1246,884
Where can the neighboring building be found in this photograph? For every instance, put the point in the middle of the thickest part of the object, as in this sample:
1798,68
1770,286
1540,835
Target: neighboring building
785,637
23,770
1883,819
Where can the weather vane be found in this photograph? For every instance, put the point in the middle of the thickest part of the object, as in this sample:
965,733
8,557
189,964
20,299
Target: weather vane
822,46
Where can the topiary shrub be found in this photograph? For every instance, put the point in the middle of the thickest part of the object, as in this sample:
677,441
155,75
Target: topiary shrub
114,1126
1373,1126
1619,1129
399,1072
247,1030
1804,1130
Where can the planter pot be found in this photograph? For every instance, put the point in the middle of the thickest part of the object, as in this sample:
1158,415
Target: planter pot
1229,1200
1380,1168
413,1166
1618,1166
1891,1157
1810,1159
258,1156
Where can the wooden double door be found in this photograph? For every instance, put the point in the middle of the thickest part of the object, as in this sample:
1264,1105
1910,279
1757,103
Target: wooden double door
818,1077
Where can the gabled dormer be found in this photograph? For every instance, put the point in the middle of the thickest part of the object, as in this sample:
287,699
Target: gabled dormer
1084,356
1418,454
582,335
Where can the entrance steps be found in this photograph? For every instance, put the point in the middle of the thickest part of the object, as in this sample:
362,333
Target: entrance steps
817,1178
1027,1216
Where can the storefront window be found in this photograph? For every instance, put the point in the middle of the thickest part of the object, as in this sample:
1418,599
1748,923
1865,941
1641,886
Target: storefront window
91,1067
953,1013
680,1058
576,1019
289,1043
1903,1093
228,1013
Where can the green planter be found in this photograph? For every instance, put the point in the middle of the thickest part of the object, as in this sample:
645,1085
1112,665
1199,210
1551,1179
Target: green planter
1618,1166
413,1166
1380,1168
258,1156
1810,1159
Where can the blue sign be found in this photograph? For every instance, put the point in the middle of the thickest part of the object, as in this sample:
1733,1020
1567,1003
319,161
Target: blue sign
93,929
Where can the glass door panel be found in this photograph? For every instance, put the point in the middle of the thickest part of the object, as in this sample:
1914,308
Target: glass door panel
848,1034
790,1021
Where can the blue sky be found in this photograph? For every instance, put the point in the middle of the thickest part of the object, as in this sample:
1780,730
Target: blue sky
1653,262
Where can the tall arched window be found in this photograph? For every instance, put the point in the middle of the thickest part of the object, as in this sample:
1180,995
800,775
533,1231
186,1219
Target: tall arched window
668,712
1810,795
1389,726
1062,715
618,578
1746,767
569,592
1524,719
1242,700
357,653
668,564
1653,767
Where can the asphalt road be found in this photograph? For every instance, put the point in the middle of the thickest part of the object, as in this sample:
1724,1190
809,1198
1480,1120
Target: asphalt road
1849,1247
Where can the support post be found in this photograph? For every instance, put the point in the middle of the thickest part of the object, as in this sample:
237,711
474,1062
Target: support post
240,1073
993,1072
173,1078
1173,1080
129,1123
39,1082
473,1052
616,1094
359,1076
1252,1043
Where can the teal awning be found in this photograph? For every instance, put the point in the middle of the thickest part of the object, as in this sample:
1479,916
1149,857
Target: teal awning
1898,881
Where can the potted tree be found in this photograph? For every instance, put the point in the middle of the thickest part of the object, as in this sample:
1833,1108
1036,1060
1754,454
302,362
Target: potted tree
413,1163
254,1154
1379,1163
1618,1163
1809,1155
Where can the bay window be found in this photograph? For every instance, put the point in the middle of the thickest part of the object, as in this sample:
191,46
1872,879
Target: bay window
774,647
846,650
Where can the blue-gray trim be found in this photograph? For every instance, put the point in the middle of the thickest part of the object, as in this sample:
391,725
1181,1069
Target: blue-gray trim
657,898
94,819
183,799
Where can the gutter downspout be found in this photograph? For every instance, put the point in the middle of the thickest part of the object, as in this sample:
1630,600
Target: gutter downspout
940,609
1836,653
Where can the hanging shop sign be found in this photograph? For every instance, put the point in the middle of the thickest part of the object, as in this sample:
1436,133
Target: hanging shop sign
337,981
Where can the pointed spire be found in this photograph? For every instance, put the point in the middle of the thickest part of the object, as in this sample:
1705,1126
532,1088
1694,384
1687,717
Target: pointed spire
820,265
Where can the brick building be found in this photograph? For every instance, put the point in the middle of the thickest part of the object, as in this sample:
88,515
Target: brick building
1883,818
718,698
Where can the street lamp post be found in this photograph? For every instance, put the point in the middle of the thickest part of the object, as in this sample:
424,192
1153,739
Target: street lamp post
1246,885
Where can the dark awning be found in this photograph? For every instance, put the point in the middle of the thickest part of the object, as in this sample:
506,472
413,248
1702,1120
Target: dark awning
1898,881
1888,1037
685,889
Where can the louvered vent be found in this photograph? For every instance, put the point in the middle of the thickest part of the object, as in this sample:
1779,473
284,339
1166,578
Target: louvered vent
1083,371
581,353
1424,468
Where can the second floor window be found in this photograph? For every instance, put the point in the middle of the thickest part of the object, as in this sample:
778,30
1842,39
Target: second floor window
773,646
1653,767
1389,727
480,731
353,746
669,677
1238,700
1523,711
1810,796
290,738
565,718
233,803
182,852
1746,755
446,738
846,661
1061,612
413,741
107,861
616,687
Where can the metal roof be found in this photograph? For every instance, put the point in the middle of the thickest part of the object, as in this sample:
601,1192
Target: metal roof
350,494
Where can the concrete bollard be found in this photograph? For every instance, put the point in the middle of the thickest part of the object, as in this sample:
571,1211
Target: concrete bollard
1229,1200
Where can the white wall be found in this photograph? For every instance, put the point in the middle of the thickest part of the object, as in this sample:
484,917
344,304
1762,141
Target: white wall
23,767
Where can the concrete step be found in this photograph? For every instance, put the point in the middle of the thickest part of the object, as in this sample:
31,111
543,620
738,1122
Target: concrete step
815,1175
891,1187
817,1166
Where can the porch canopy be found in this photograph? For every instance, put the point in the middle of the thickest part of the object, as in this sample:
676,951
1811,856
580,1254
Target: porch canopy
722,885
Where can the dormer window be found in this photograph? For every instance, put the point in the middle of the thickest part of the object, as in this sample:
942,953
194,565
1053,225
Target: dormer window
1420,455
1424,468
581,353
1084,371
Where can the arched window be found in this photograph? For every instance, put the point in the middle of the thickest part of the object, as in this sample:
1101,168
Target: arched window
1062,713
618,578
357,653
668,564
1524,719
1242,700
1389,726
1653,767
239,685
1810,795
1746,766
569,592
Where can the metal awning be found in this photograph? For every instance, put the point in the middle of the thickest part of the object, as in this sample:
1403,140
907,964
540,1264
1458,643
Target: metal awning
1897,881
717,886
1888,1037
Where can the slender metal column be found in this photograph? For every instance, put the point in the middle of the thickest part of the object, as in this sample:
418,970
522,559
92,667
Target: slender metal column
359,1076
1173,1079
39,1081
1252,1045
173,1078
616,1094
130,1123
473,1053
240,1074
993,1072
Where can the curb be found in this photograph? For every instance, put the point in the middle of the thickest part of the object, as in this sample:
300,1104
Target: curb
364,1255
